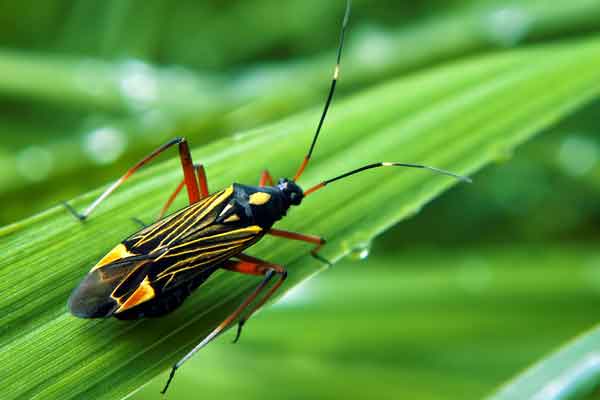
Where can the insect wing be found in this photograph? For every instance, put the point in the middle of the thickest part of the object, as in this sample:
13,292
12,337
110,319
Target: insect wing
93,298
181,250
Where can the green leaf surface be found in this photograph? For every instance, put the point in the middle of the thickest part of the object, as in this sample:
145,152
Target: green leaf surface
572,372
465,318
458,117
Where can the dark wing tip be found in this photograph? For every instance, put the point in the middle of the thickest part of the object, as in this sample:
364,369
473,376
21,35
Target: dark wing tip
91,299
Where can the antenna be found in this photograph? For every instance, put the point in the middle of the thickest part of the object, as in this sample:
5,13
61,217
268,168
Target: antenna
336,74
385,164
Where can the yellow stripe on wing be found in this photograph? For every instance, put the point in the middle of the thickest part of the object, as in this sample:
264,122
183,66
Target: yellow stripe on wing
218,199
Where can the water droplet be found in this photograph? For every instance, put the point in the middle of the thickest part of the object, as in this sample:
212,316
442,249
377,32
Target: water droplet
34,163
372,47
360,251
507,26
104,145
578,155
138,83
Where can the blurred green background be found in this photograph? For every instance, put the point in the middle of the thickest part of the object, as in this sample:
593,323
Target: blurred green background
450,304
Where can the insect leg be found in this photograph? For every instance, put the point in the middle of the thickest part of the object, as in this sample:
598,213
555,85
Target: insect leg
186,164
199,168
269,272
319,241
254,266
265,179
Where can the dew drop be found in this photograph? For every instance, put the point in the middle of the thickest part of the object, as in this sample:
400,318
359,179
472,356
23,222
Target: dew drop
104,145
360,251
578,155
138,83
507,26
373,47
34,163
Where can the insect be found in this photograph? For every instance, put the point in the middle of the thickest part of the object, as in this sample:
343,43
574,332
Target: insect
154,270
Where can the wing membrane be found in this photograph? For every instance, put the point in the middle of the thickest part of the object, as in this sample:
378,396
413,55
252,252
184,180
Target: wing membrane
165,261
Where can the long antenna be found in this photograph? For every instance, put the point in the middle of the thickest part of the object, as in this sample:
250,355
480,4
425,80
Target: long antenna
336,74
385,164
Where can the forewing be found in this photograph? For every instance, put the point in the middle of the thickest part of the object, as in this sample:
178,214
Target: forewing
180,252
178,226
94,297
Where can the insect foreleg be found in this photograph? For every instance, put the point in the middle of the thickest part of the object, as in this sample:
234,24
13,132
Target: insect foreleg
199,168
265,179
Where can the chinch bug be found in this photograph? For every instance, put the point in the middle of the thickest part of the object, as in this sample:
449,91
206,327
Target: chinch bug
151,273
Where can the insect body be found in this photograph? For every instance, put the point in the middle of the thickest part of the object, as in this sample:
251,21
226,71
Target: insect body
151,273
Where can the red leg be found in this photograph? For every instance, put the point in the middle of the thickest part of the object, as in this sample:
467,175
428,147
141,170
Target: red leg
319,241
186,165
203,189
246,265
254,266
265,179
202,180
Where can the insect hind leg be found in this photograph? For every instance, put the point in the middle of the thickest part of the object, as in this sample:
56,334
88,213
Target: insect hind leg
254,266
268,275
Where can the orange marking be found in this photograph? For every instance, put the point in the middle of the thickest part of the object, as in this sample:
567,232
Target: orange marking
118,253
247,267
143,293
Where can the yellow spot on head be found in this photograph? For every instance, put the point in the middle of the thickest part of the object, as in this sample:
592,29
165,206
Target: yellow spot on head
232,218
144,292
118,253
259,198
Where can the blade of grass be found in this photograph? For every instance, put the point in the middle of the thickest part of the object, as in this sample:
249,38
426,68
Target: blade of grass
49,354
464,318
572,372
205,106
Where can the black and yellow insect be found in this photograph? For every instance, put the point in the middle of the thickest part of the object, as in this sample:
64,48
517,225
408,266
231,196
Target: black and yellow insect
151,273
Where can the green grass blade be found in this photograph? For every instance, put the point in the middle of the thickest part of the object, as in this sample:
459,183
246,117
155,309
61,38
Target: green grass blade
465,318
458,117
572,372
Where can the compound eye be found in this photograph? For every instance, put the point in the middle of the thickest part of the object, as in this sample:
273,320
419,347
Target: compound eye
295,198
